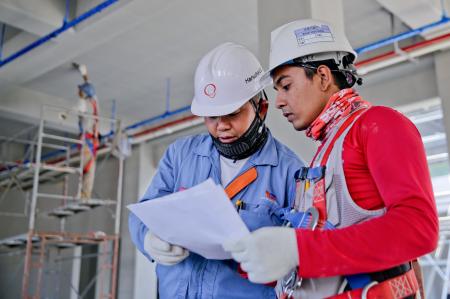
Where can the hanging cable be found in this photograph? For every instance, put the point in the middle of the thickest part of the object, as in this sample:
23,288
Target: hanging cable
168,94
66,15
2,39
444,10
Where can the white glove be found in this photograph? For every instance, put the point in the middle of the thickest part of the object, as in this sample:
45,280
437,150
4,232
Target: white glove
163,252
267,254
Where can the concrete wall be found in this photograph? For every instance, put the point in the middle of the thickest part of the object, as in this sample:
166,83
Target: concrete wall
127,250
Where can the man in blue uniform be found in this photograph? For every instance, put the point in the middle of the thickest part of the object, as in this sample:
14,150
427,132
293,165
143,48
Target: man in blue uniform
240,153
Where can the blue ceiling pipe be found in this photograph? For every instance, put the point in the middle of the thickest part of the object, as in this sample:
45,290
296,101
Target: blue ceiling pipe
156,118
66,25
395,38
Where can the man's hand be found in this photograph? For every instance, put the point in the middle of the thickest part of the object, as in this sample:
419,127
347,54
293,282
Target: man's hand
163,252
267,254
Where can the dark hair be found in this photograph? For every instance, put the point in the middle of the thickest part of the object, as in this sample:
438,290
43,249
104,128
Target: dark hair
339,77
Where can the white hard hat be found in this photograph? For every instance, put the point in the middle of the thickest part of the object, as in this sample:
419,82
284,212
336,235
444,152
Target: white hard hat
226,78
312,40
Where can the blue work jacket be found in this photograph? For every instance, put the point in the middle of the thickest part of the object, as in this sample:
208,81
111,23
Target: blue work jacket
190,161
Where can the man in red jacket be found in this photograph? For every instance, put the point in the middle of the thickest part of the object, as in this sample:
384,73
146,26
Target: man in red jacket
364,209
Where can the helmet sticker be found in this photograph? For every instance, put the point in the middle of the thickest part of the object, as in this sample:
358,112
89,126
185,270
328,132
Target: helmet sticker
313,34
210,90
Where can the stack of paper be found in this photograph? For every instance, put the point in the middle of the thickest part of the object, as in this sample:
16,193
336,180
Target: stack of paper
199,219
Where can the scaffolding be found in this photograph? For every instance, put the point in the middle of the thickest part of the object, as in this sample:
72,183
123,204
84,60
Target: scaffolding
438,263
56,157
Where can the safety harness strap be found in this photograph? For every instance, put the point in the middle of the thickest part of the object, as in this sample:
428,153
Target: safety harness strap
92,143
95,113
338,134
401,286
395,288
88,166
319,197
241,182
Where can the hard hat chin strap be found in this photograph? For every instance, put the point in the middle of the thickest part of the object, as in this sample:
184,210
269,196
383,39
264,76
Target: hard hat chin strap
250,142
351,75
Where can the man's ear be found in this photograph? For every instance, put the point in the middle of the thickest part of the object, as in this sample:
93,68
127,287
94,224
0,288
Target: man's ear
326,77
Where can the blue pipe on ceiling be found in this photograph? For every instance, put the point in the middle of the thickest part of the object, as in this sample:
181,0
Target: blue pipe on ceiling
66,25
402,36
152,120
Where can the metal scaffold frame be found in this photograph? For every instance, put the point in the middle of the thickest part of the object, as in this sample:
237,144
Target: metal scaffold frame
438,262
42,241
65,158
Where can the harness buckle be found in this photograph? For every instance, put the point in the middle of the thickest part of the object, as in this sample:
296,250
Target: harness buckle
302,173
310,173
290,285
317,173
314,217
367,288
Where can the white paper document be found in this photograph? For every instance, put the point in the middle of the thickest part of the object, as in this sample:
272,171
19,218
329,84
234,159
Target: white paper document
199,219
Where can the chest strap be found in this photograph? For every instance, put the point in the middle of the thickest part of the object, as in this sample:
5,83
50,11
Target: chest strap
241,182
319,192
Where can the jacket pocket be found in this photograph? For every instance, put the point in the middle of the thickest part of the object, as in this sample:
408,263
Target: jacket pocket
259,214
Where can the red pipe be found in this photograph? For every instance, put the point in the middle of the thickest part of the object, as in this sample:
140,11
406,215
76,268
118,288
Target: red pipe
168,124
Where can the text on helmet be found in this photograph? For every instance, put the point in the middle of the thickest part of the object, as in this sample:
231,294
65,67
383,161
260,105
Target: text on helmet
253,77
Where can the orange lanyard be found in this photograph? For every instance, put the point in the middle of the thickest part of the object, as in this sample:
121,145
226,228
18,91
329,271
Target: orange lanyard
241,182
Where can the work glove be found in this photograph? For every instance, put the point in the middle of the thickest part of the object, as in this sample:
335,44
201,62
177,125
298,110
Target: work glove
163,252
267,254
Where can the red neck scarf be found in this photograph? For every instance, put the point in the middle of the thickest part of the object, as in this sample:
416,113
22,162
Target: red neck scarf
341,104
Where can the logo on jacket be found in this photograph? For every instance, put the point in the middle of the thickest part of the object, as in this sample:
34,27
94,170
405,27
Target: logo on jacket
270,196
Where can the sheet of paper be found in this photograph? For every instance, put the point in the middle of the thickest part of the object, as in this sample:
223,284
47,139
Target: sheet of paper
200,219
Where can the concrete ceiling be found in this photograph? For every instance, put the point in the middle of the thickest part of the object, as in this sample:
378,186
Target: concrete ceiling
148,43
134,48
